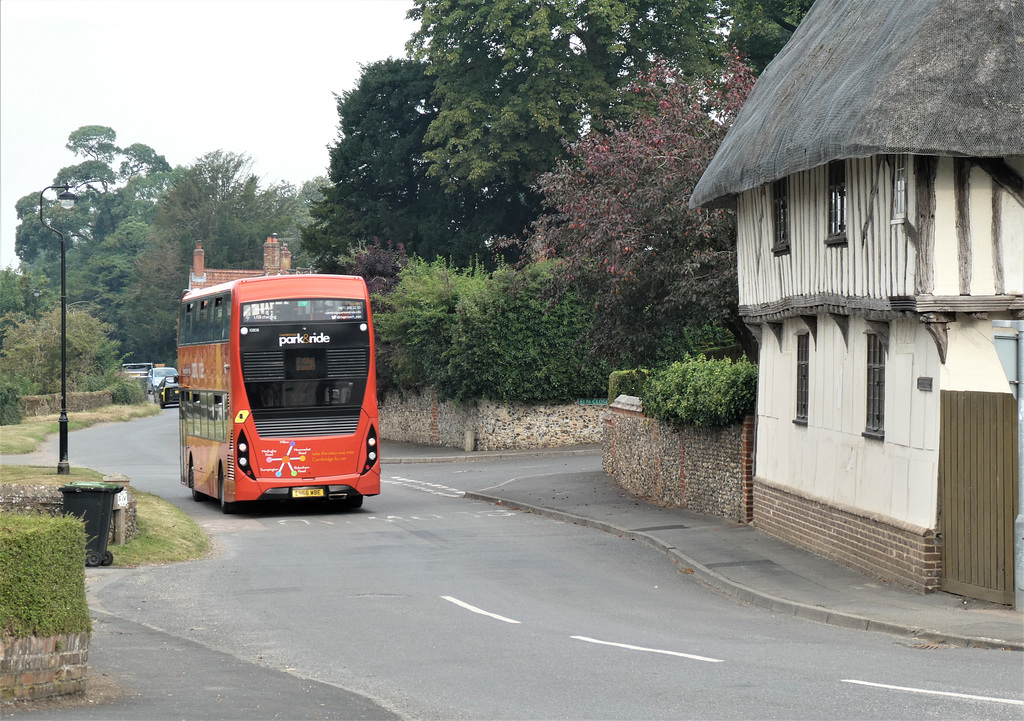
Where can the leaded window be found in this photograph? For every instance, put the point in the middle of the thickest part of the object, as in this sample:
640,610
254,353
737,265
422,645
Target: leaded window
875,426
836,203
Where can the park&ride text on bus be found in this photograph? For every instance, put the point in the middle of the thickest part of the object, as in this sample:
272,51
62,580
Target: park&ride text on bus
278,395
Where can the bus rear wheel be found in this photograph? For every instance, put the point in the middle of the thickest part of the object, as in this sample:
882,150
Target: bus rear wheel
225,507
196,495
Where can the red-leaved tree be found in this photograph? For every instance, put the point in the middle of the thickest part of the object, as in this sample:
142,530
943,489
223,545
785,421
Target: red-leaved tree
621,227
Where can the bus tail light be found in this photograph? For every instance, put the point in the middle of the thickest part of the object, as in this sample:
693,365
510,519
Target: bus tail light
242,456
372,451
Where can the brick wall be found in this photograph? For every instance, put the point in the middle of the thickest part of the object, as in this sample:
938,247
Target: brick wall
41,666
882,547
419,417
708,470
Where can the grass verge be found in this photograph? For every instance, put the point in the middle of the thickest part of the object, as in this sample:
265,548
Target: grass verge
26,437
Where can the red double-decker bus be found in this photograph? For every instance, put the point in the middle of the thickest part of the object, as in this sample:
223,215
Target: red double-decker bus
278,391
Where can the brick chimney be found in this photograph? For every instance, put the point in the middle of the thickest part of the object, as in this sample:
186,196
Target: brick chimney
272,255
286,258
198,260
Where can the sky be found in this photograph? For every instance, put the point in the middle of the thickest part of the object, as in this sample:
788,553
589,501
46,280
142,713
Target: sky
185,77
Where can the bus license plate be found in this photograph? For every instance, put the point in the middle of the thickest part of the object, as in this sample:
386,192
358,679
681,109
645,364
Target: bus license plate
307,492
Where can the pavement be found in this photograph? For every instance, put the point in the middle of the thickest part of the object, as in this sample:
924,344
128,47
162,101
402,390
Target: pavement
138,671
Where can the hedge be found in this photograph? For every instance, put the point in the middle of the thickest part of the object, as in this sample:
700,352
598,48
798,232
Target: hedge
698,391
42,575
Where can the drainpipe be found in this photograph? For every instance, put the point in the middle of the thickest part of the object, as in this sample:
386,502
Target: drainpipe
1018,524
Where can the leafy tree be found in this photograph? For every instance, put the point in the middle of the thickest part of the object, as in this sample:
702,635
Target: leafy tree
31,351
621,227
116,184
379,186
759,28
514,80
218,200
22,296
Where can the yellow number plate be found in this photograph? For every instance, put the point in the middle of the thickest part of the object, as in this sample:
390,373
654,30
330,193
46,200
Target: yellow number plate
307,492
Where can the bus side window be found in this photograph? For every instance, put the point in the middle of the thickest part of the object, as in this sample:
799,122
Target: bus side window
218,319
204,320
218,418
185,332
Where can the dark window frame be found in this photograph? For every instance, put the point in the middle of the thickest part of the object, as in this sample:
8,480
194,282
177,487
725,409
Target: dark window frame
875,388
780,217
836,173
803,378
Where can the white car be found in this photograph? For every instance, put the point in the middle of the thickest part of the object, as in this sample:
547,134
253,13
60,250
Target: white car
157,377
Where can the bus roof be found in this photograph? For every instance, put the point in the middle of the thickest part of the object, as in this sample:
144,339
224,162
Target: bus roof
263,286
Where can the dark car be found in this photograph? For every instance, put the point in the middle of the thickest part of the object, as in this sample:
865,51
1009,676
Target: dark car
169,393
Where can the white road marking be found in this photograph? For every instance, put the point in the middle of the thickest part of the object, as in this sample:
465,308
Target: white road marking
436,489
1011,701
474,609
649,650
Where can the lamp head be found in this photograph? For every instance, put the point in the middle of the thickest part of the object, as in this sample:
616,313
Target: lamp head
67,199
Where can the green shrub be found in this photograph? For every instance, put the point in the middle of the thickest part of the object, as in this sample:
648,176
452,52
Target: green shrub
42,576
10,405
127,391
629,383
701,392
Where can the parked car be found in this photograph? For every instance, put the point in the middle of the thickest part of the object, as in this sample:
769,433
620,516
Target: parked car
156,378
169,393
136,370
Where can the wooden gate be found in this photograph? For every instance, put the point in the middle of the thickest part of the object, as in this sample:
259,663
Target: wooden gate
978,493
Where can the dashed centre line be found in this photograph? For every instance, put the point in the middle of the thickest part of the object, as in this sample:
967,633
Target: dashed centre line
951,694
648,650
474,609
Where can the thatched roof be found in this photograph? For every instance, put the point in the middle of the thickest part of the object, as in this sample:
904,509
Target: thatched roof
864,77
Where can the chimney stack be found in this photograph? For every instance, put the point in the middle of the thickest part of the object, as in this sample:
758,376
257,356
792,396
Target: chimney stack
271,256
286,258
198,260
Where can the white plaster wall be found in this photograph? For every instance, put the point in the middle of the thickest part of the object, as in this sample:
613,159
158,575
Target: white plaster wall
829,458
946,255
971,360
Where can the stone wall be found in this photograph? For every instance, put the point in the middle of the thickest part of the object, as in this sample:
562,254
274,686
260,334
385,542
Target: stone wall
17,497
42,666
708,470
50,404
419,417
908,555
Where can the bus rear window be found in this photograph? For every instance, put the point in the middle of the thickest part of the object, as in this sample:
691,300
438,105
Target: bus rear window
290,311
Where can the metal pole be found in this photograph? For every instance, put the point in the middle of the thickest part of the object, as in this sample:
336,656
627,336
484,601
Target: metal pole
1018,524
63,466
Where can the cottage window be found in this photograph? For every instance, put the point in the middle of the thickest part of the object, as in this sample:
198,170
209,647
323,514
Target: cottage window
802,378
836,203
899,188
875,427
780,216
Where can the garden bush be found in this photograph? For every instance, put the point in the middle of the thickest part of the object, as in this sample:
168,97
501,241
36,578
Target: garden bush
127,391
701,392
42,575
10,406
629,383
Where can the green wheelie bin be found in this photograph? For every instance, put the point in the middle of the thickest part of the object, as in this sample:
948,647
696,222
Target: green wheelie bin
93,502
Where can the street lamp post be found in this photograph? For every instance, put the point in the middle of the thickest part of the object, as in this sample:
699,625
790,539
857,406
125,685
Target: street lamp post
67,201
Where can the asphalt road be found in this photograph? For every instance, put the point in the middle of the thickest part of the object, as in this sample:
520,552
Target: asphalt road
430,605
